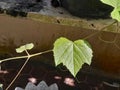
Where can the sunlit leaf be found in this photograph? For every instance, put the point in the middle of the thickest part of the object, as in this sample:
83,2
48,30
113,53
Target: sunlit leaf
24,47
29,46
113,3
1,86
72,54
20,49
115,14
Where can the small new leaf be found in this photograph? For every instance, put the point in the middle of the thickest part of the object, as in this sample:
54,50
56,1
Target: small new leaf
29,46
72,54
25,47
20,49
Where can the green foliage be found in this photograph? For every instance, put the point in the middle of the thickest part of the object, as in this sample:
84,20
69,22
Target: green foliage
113,3
25,47
72,54
115,14
1,86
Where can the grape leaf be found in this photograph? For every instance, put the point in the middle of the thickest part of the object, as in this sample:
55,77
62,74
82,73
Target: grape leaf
24,47
72,54
115,14
29,46
20,49
113,3
1,85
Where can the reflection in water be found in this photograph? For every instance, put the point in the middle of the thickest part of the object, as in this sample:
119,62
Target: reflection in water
32,80
69,81
3,72
58,77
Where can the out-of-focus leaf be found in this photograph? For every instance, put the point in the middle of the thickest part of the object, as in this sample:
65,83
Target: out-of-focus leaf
1,86
41,86
115,14
113,3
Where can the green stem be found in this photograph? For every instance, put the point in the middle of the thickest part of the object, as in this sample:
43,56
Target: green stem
36,54
17,74
21,57
28,56
13,58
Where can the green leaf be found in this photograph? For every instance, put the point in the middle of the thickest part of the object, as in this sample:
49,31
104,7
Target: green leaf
25,47
20,49
72,54
114,3
1,86
29,46
115,14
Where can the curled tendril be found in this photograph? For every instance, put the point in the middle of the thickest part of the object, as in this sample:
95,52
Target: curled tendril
109,42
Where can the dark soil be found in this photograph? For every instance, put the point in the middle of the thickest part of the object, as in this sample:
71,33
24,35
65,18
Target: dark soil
41,69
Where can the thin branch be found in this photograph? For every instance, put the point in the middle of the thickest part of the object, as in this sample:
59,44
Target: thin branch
28,57
27,52
17,74
111,42
13,58
21,57
100,30
36,54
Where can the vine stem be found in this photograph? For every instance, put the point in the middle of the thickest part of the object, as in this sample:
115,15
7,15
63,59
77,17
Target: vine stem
28,55
115,38
18,74
99,30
